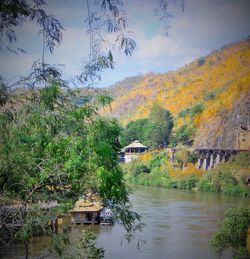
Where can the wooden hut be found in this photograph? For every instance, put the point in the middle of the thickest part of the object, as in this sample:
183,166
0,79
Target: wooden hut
86,212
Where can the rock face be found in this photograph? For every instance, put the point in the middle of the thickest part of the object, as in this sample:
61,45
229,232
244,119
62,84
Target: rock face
208,98
223,131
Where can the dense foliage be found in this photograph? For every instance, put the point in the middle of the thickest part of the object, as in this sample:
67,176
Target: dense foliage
155,169
52,149
232,233
49,138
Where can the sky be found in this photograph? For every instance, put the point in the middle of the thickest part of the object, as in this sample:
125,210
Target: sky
205,25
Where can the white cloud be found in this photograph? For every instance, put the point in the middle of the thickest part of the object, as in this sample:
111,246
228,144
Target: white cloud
157,47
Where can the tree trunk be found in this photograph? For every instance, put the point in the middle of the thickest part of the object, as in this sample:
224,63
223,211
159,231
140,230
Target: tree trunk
26,244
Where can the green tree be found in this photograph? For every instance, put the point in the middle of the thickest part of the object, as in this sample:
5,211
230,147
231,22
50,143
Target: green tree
47,139
51,150
152,131
133,131
183,135
161,124
232,233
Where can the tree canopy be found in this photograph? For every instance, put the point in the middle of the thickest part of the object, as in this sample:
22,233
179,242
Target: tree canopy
54,145
232,233
53,149
152,131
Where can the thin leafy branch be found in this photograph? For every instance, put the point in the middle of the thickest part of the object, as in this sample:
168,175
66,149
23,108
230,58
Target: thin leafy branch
14,13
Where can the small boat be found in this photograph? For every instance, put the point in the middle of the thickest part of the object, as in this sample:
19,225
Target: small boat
106,217
105,223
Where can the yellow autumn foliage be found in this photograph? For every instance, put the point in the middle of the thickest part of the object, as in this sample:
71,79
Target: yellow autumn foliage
146,156
217,82
189,169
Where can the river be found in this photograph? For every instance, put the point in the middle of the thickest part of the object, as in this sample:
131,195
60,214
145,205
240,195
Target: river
179,224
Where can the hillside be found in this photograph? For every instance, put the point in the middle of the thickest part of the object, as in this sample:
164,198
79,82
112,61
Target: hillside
209,98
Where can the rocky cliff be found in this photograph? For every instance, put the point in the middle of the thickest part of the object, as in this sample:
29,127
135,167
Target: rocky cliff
210,96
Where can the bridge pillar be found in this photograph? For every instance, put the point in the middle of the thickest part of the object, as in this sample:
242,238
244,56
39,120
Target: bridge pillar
223,158
172,155
209,158
206,163
218,159
212,161
227,156
200,162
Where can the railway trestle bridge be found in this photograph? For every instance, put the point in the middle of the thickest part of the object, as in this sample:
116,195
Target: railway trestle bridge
208,158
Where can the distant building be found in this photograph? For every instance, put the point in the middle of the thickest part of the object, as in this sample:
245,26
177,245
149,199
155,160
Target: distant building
132,151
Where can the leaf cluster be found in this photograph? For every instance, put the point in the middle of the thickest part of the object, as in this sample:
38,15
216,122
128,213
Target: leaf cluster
233,232
16,12
105,17
152,131
54,149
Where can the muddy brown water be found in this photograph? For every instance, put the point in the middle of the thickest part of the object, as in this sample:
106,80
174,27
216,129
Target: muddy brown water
179,224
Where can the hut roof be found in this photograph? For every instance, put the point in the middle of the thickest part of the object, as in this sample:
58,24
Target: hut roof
83,205
135,144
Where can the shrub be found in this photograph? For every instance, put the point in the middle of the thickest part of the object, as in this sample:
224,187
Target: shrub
157,160
191,111
205,184
233,232
222,181
181,157
198,108
235,190
183,113
241,160
201,62
137,168
188,183
183,135
192,157
217,180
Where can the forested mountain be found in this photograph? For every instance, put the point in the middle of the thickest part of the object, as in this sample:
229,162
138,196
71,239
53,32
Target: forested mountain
209,98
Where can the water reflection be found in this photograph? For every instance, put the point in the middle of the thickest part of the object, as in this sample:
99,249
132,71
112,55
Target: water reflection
179,225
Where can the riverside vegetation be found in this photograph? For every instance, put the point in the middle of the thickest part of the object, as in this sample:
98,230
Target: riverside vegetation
51,150
54,145
155,169
233,233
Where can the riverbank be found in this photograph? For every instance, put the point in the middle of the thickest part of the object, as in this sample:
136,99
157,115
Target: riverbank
154,169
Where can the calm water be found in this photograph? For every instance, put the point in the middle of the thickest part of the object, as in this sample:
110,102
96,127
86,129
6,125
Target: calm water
179,225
